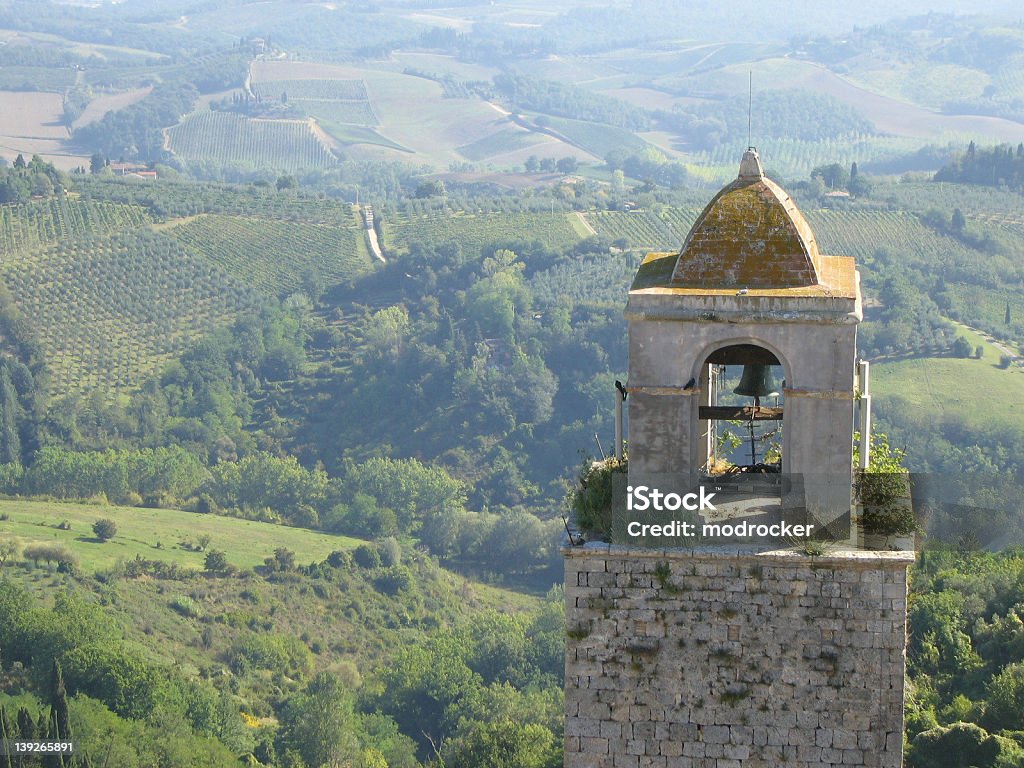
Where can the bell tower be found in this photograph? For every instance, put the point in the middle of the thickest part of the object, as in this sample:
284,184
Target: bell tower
720,651
749,288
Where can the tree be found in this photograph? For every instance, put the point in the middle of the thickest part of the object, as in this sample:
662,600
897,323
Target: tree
60,720
216,561
859,186
386,330
97,163
1006,315
430,188
957,220
962,347
321,724
105,529
284,559
532,164
567,165
41,185
505,744
1005,708
959,745
11,413
9,549
834,176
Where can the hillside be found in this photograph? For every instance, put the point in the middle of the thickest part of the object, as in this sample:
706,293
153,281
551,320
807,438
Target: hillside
473,89
254,642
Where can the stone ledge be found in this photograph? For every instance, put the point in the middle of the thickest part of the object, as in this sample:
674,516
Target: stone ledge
768,555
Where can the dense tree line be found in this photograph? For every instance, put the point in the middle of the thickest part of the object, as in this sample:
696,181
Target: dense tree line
966,678
556,98
794,113
24,180
999,166
75,655
101,25
910,321
650,165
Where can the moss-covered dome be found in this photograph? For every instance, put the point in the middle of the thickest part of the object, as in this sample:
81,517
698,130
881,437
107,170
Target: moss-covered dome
751,235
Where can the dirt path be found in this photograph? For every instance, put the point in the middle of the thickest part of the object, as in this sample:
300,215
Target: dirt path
371,239
366,212
586,224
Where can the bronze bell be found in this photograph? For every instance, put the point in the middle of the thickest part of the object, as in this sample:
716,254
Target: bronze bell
756,382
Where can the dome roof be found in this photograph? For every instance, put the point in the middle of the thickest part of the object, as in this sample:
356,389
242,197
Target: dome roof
751,235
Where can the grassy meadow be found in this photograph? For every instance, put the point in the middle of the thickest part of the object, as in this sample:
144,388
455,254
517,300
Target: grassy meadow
169,535
978,391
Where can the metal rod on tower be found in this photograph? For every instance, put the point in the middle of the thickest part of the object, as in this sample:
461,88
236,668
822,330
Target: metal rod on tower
618,426
864,371
750,100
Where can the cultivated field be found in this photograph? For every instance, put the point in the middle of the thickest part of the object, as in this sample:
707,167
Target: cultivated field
40,223
225,139
413,113
474,231
274,257
31,124
111,310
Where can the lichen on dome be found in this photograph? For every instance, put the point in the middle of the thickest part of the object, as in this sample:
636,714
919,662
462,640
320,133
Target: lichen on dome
751,235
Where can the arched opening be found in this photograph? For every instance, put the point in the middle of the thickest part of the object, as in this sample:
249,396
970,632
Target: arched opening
741,415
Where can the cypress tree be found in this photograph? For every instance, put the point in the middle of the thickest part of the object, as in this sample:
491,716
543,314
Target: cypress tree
10,411
60,719
7,734
26,725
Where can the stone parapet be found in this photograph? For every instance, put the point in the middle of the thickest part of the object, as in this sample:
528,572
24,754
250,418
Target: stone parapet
729,658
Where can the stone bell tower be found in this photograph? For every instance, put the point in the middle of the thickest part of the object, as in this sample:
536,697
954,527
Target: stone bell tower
704,652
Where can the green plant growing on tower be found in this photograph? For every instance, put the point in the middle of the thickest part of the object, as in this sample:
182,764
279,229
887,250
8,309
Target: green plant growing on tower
591,502
883,490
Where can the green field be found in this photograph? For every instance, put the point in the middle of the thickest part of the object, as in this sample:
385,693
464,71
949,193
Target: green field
475,231
641,229
929,84
508,140
976,391
341,112
348,133
330,90
342,102
160,534
794,159
596,138
224,139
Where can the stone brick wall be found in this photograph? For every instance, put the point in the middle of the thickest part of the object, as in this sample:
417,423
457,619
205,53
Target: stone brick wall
721,660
